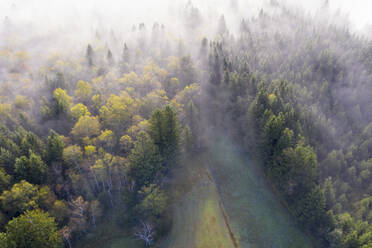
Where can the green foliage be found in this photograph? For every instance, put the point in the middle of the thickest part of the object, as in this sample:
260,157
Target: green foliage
30,142
188,141
3,240
31,169
329,193
145,161
86,126
165,131
25,196
60,105
72,156
126,143
193,122
107,139
115,115
83,91
5,180
303,173
22,196
79,110
54,148
310,212
272,132
59,211
154,201
33,229
354,233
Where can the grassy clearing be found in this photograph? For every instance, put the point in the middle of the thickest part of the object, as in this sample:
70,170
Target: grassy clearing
124,243
197,219
257,217
212,231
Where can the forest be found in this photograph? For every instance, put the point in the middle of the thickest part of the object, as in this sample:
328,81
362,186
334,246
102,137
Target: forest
173,136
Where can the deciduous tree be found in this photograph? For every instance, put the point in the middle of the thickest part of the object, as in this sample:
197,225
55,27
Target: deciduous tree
33,229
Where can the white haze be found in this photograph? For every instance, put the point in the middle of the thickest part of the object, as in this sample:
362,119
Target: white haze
83,15
357,11
60,25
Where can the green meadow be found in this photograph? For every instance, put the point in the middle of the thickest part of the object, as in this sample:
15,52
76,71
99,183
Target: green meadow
257,217
198,219
224,201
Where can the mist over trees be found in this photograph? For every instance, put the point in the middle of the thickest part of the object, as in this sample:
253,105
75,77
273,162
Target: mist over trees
94,134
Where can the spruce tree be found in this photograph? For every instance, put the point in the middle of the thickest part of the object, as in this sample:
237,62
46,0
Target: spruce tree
165,131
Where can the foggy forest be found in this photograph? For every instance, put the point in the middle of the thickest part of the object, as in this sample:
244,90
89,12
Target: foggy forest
185,124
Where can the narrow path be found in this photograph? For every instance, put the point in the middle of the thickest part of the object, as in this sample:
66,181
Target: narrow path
223,211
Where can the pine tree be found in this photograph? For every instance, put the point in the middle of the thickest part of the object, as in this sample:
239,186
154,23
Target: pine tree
145,161
54,149
188,141
90,55
164,130
125,59
222,28
110,58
